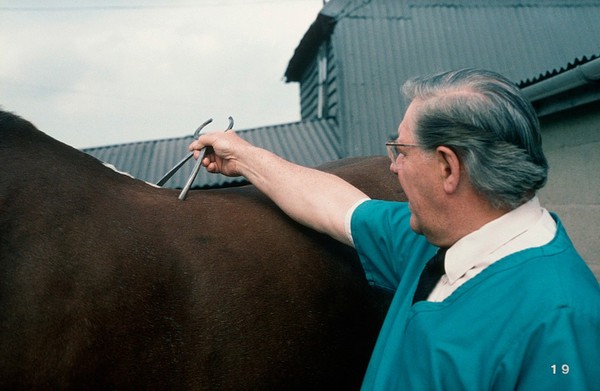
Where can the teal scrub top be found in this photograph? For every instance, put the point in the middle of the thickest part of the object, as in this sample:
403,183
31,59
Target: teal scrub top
530,321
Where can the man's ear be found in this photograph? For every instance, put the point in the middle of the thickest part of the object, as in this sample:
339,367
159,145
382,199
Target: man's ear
450,168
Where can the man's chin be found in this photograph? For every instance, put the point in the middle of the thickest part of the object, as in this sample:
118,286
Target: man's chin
414,225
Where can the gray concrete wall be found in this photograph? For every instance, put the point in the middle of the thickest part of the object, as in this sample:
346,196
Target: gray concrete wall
572,145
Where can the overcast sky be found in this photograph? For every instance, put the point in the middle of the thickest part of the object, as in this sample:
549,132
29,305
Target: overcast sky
98,72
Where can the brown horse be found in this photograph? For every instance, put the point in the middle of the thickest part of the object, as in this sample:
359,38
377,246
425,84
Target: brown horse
109,283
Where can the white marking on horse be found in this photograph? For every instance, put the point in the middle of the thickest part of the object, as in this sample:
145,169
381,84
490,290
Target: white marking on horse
127,174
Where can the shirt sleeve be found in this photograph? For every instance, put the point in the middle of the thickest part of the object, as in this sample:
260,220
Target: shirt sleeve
385,243
348,220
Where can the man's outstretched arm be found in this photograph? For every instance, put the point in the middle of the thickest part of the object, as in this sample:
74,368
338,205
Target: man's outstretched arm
313,198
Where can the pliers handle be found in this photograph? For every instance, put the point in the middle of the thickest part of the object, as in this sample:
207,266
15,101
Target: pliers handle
196,169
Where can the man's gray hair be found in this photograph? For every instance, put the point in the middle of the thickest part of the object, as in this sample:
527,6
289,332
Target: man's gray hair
489,124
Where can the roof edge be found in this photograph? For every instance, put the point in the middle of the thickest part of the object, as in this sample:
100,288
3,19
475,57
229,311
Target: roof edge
318,32
578,76
191,138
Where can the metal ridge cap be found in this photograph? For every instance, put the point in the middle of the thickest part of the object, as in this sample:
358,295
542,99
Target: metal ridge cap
580,75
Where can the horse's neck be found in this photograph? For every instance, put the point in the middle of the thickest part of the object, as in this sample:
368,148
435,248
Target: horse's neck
30,159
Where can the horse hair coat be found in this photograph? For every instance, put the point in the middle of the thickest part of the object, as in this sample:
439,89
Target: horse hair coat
109,283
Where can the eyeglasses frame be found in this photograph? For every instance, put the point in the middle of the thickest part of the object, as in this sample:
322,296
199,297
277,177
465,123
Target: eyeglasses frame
392,149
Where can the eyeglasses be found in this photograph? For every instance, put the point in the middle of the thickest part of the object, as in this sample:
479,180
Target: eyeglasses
393,150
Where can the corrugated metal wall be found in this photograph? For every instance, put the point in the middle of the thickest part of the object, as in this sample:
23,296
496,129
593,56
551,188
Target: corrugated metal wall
379,44
309,87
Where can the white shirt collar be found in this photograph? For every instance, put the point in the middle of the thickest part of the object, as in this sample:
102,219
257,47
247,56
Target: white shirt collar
500,237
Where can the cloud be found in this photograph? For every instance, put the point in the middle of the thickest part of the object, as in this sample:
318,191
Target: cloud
101,76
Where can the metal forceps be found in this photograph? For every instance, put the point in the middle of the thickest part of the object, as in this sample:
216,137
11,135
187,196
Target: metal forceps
196,169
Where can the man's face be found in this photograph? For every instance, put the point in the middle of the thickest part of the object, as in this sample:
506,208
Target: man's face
416,170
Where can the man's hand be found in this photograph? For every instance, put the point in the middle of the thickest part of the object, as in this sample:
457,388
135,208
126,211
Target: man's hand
223,152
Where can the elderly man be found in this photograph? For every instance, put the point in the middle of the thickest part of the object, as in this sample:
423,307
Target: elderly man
506,302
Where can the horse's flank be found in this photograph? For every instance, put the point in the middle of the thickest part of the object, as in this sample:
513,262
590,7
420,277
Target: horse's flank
106,282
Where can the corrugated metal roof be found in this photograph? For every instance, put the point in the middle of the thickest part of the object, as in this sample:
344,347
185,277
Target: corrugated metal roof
309,143
379,44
